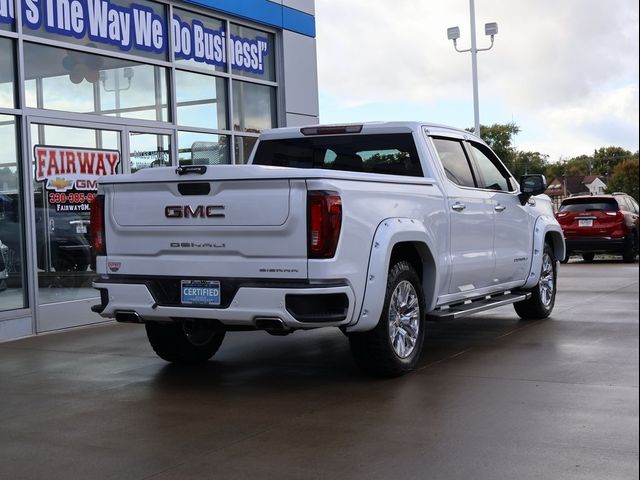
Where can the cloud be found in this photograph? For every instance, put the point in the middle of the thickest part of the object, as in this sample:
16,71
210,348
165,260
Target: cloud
571,64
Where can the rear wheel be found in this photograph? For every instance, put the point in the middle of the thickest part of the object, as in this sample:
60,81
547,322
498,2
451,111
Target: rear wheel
191,341
543,295
588,257
394,346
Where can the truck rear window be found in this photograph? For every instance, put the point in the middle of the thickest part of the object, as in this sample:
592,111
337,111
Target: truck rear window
391,154
589,204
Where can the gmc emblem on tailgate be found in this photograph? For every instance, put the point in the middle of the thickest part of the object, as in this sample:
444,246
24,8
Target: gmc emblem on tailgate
187,211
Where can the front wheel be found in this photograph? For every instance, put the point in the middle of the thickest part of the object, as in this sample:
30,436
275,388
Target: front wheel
543,295
191,341
394,346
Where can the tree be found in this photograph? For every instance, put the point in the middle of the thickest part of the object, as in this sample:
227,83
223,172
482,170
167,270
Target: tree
528,163
500,138
625,178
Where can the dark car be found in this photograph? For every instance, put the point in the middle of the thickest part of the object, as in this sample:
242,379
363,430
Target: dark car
62,238
600,224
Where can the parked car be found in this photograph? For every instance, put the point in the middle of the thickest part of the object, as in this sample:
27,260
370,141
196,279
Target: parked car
64,233
600,224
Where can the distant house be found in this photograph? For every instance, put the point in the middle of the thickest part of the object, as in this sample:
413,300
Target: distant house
562,187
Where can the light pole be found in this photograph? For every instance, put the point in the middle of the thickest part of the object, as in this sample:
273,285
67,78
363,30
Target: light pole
453,33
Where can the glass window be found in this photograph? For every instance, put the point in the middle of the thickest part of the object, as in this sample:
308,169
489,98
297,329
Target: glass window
59,79
91,24
244,147
589,205
490,172
252,53
254,107
454,161
201,100
62,194
199,41
7,16
149,150
12,293
202,149
392,154
7,72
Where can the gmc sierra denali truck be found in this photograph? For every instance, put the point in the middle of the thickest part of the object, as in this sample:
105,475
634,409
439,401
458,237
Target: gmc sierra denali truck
371,228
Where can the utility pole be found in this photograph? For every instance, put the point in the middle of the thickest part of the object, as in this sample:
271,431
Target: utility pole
453,33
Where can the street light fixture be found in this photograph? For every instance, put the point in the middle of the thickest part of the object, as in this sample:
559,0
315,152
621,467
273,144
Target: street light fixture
453,33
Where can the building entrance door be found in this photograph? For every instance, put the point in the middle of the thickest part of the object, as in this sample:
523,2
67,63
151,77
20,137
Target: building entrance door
66,161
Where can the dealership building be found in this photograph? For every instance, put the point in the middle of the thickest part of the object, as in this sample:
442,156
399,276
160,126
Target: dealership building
94,87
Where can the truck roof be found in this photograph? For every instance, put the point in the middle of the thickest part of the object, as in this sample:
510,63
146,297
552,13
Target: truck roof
367,127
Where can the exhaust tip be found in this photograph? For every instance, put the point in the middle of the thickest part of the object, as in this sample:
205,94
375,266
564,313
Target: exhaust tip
128,316
272,325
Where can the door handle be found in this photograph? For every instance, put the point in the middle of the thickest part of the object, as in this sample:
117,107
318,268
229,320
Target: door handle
458,207
499,208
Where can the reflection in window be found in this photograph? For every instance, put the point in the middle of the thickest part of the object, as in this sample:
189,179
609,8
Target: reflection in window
60,79
12,294
252,53
244,147
202,149
201,100
148,150
7,72
254,107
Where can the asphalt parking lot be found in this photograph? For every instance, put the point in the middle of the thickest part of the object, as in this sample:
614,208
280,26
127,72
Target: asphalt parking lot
493,398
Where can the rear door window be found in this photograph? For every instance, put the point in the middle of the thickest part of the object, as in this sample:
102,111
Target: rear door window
454,161
589,205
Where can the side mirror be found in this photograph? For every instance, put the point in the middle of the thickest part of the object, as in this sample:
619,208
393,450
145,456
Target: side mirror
531,185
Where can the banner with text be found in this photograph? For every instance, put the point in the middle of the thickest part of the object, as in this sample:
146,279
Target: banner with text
132,26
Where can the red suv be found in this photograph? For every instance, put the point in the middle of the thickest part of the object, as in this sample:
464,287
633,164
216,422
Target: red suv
600,224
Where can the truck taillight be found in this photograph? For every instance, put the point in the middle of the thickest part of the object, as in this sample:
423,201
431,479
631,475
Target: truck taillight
324,222
96,229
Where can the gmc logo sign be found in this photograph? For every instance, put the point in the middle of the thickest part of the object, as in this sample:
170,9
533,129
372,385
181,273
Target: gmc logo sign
187,211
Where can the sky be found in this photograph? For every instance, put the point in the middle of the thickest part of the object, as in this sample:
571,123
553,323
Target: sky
565,71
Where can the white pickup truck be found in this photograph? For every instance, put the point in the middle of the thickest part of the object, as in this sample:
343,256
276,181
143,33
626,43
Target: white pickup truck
371,228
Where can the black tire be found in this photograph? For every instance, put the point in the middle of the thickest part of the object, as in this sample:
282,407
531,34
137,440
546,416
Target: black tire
543,295
566,258
184,342
630,249
374,351
588,257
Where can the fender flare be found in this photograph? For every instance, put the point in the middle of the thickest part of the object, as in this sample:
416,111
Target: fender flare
544,227
389,233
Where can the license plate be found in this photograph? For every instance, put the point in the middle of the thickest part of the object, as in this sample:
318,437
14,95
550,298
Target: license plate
585,223
81,229
200,292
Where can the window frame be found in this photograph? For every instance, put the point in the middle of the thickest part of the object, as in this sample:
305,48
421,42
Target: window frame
460,141
493,158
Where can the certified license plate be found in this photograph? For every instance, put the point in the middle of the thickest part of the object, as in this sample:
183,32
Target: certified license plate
199,292
585,223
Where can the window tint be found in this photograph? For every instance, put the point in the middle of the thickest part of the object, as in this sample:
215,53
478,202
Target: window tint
454,161
393,154
490,172
588,204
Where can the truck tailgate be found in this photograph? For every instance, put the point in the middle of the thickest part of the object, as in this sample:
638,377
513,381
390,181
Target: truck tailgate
204,228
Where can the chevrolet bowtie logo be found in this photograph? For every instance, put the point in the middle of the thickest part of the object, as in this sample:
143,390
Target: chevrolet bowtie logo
60,183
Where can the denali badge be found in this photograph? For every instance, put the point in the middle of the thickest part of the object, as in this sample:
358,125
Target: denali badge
196,245
187,211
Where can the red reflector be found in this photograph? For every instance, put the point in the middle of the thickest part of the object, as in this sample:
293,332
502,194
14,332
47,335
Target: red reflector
96,228
324,223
